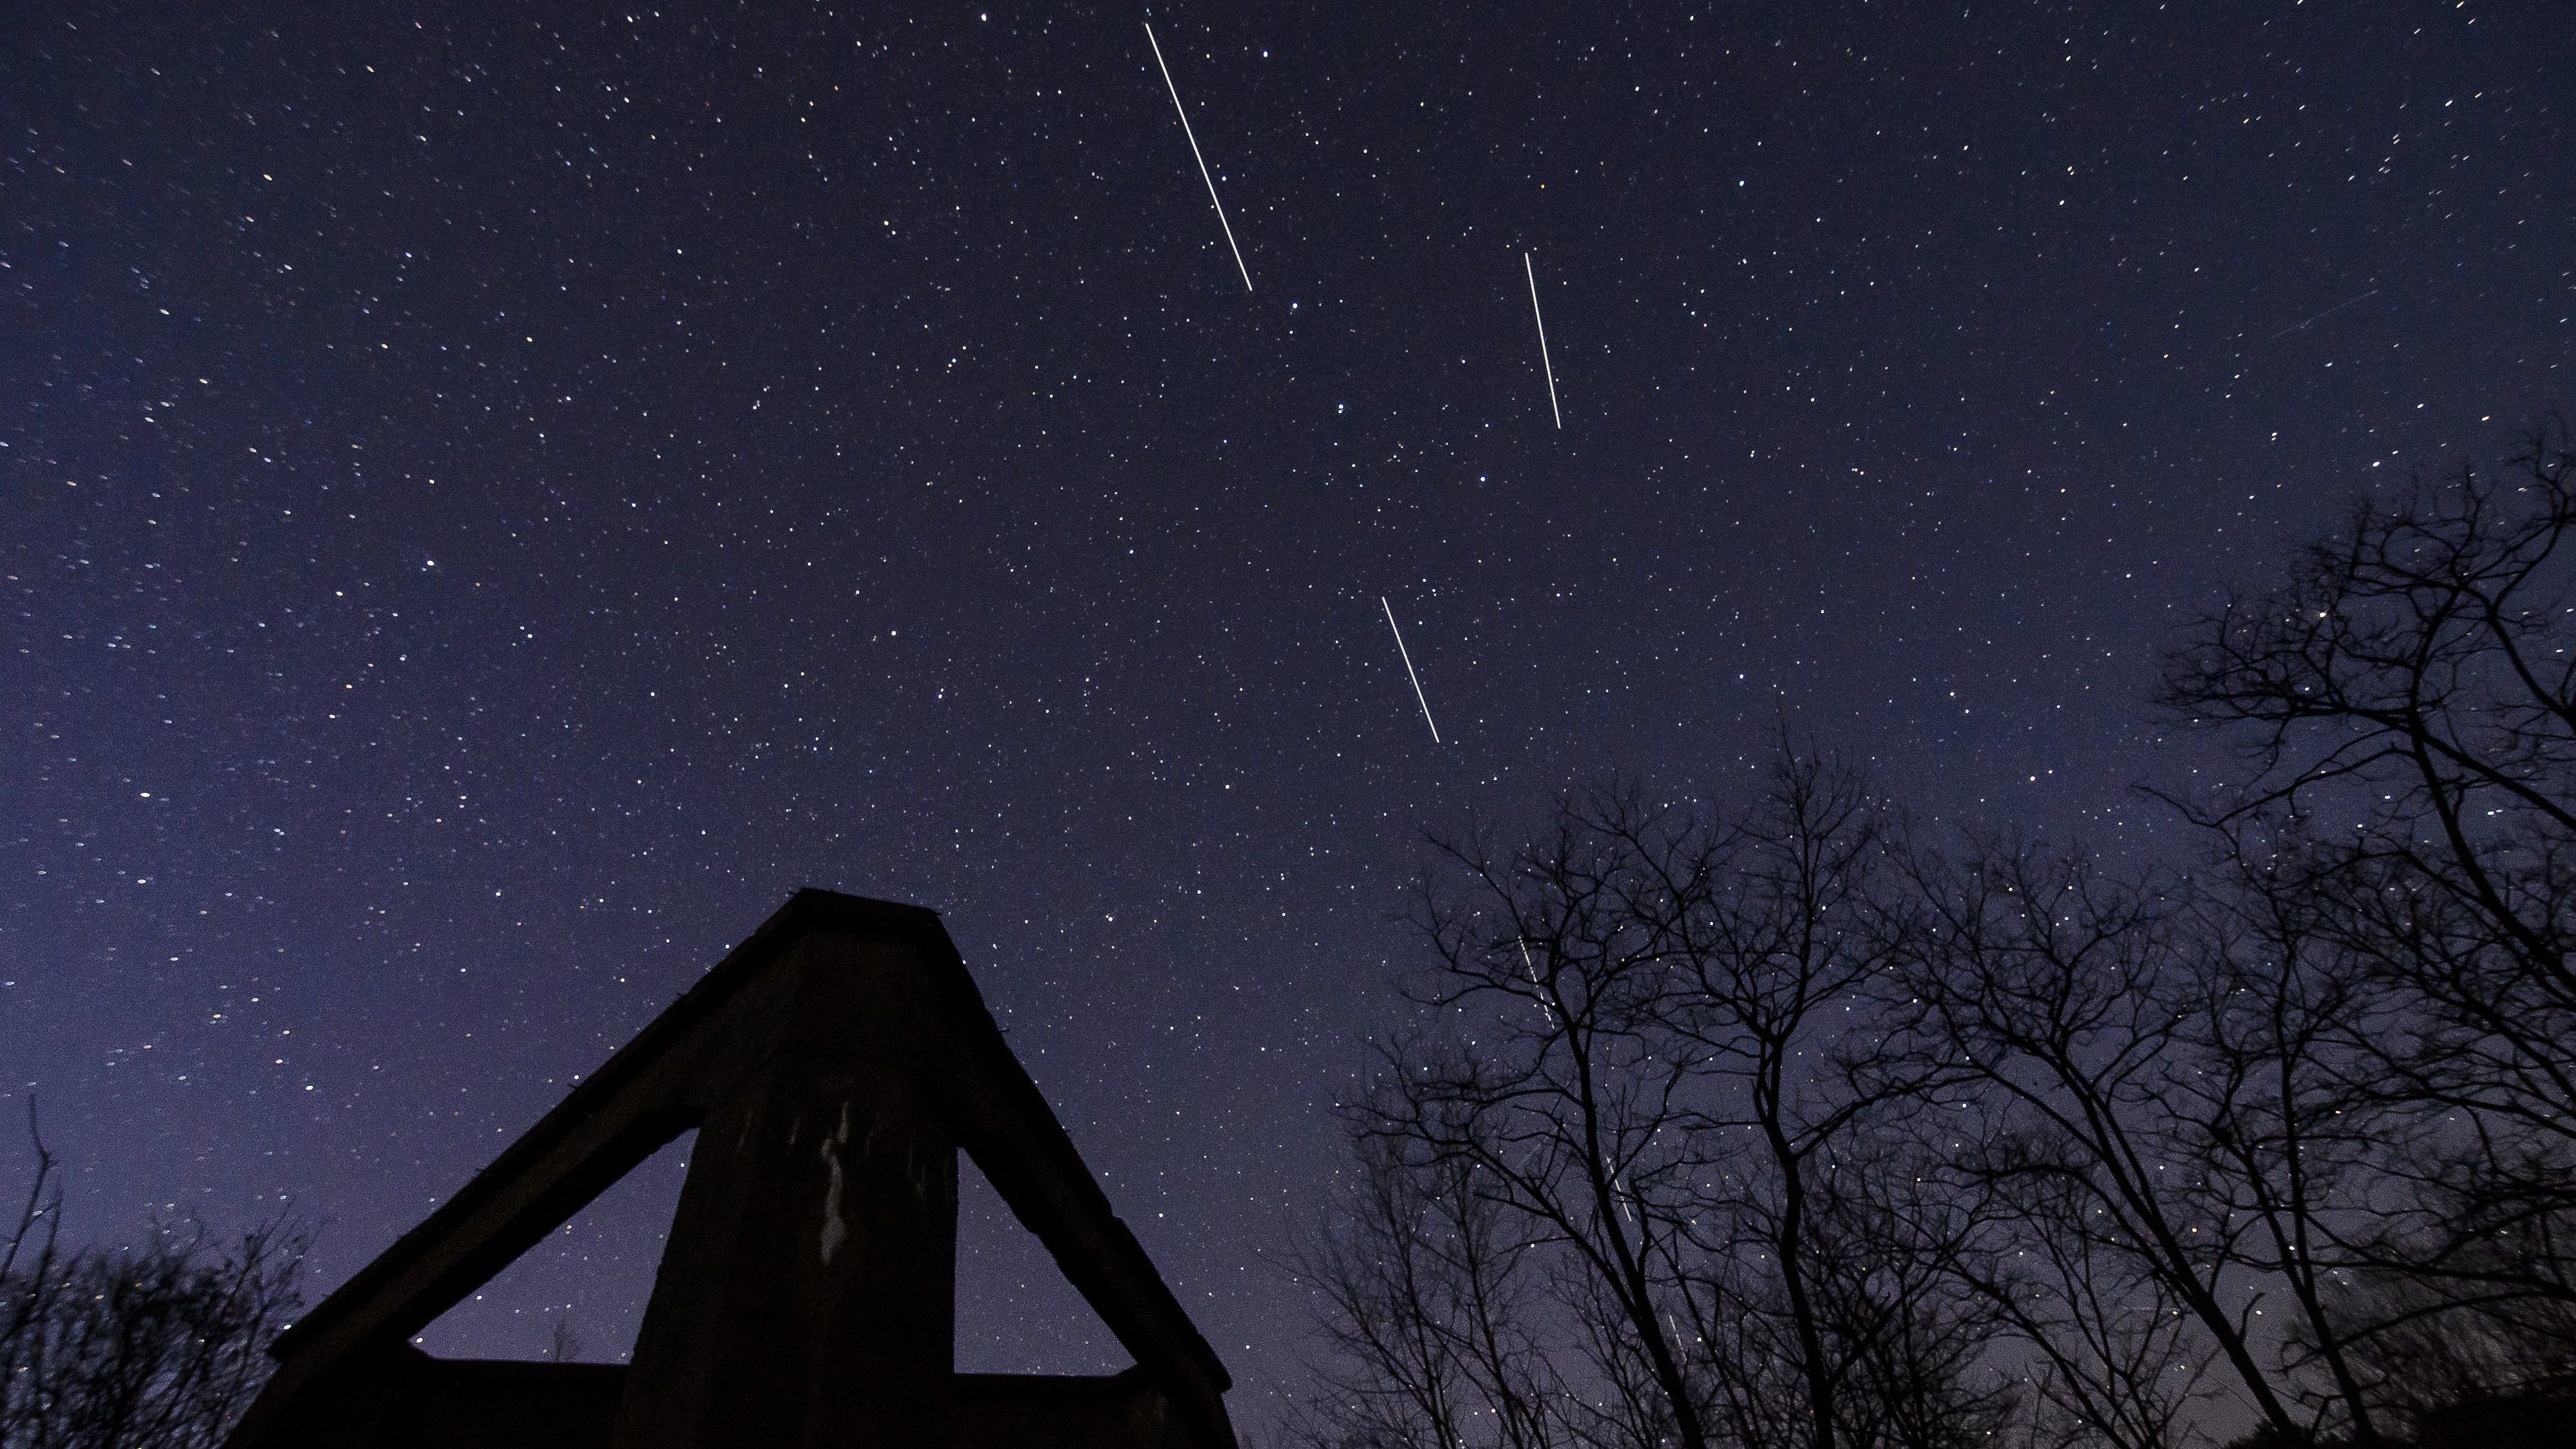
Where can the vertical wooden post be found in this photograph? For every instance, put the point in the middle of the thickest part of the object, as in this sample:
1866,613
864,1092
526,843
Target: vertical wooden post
807,1294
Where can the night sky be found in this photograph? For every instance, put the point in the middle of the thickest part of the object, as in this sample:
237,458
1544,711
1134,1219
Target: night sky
494,497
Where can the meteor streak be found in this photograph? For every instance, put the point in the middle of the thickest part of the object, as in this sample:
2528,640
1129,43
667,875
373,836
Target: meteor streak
1194,154
2321,316
1408,667
1532,271
1535,984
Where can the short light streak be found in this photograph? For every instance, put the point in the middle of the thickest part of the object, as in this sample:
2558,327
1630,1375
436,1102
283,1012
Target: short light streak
1194,154
1407,656
2321,316
1532,270
1535,984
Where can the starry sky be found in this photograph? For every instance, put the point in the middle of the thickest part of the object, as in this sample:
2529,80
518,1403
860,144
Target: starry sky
492,497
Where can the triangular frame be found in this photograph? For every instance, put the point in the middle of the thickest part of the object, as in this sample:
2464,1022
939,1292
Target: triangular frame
834,1063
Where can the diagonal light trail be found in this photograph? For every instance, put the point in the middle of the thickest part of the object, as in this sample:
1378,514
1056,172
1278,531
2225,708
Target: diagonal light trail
1408,667
1194,154
2321,316
1532,270
1535,984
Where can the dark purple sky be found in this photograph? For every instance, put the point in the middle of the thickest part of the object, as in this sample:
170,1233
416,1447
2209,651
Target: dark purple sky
492,497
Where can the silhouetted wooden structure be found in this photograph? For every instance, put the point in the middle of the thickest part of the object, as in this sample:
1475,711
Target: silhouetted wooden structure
834,1064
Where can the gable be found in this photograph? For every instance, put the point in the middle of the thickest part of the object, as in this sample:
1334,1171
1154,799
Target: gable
833,1064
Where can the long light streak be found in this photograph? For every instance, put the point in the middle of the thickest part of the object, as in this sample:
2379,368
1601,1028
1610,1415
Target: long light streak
1195,156
1407,656
1532,270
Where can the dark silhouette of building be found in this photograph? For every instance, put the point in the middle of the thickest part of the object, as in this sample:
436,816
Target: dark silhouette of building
834,1065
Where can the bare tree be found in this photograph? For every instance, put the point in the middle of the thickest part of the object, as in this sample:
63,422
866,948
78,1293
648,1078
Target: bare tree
1660,1037
1919,1342
2277,1103
162,1345
2067,996
1429,1309
1783,950
27,1265
1767,1149
1566,1095
2408,689
2104,1344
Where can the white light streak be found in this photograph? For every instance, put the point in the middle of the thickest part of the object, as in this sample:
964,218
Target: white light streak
1535,984
1407,656
2321,316
1194,154
1532,270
